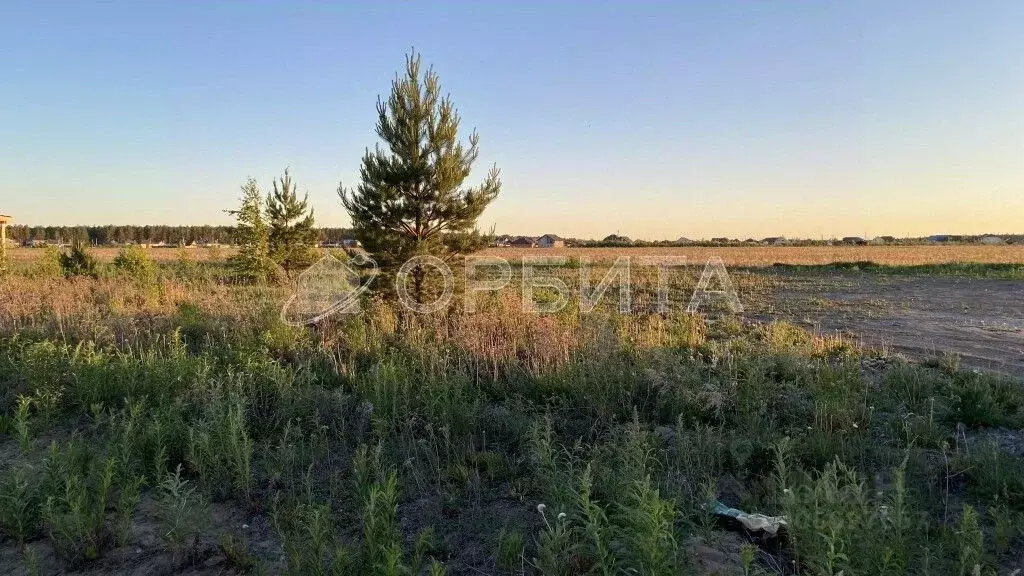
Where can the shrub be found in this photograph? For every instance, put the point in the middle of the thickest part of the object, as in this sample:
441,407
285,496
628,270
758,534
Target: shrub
783,336
132,261
184,266
382,543
309,541
181,510
648,522
837,526
75,512
79,262
19,504
49,264
219,447
971,540
986,400
993,475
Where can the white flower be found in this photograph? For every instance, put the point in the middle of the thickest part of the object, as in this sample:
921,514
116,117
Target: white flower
561,515
541,507
854,424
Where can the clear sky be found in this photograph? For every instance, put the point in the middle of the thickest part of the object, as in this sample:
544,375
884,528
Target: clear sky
653,120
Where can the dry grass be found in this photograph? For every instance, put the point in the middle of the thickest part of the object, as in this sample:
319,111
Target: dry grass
105,254
458,424
731,255
111,309
768,255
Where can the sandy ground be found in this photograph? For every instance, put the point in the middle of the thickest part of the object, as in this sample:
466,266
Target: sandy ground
979,320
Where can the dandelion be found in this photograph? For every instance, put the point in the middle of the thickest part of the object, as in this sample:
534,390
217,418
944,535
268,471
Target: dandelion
561,516
541,507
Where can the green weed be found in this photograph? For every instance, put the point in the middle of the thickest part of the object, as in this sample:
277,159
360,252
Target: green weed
75,515
509,555
182,512
20,500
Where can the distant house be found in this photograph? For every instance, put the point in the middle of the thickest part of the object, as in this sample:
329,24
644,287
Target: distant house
854,241
503,240
882,240
720,240
616,239
992,240
523,242
550,241
684,240
774,240
343,243
751,241
939,238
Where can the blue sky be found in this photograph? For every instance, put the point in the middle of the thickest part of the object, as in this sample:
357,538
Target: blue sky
654,120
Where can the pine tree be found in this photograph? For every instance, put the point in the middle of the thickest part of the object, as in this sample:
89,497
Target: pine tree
252,262
411,200
292,237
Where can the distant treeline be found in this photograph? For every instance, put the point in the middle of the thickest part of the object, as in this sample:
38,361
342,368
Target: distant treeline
178,235
174,235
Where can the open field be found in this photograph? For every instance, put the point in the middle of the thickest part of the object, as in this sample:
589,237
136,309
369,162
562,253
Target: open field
733,256
170,422
410,394
106,254
769,255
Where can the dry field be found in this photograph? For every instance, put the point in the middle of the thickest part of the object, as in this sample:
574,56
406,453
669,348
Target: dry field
768,255
107,254
733,255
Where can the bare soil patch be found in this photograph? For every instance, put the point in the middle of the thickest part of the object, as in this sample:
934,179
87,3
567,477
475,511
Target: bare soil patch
979,320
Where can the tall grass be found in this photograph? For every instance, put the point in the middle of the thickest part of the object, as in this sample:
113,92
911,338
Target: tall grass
570,443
